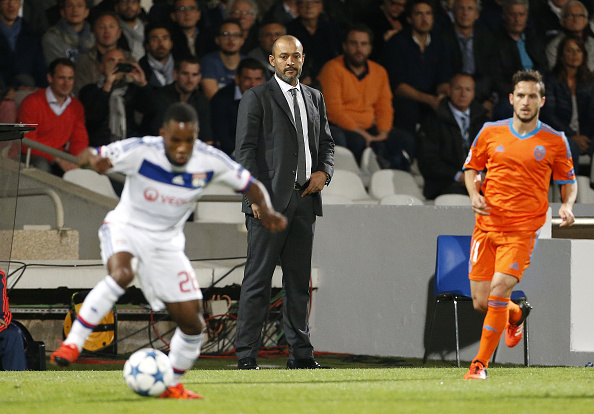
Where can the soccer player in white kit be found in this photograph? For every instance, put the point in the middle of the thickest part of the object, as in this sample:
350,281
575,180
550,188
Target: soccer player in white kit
165,176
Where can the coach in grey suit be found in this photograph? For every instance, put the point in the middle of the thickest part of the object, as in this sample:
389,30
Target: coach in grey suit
294,160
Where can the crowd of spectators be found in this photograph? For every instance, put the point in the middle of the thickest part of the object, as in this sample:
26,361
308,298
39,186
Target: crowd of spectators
190,51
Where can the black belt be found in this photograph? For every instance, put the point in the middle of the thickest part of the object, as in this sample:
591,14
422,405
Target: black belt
297,186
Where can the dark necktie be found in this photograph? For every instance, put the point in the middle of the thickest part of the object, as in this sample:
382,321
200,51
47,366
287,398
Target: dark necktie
301,177
468,58
465,131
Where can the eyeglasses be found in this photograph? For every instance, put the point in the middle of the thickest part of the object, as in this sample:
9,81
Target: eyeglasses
186,8
241,13
229,34
575,16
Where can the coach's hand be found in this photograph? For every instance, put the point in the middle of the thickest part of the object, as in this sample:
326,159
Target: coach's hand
316,183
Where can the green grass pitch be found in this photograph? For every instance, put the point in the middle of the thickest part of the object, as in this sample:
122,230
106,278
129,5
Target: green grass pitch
351,388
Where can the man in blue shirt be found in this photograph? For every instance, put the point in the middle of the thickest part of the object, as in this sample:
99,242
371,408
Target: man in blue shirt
419,67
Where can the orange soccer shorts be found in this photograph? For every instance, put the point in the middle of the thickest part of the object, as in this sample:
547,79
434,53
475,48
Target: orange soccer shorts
495,251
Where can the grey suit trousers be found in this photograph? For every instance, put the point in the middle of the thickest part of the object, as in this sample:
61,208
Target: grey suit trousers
293,247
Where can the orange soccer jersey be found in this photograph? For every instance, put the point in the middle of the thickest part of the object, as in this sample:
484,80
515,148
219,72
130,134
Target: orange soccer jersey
518,173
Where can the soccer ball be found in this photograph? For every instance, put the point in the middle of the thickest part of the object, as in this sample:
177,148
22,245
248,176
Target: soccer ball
148,372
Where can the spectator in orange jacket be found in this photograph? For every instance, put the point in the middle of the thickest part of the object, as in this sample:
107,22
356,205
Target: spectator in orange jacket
359,103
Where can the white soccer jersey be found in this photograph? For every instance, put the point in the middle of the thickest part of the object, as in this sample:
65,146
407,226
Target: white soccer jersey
158,196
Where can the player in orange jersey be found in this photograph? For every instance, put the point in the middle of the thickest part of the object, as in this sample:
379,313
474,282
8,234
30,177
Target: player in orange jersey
519,154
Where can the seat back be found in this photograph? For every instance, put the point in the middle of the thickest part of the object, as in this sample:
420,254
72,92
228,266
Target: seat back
387,182
369,165
345,160
585,193
91,181
347,184
453,200
451,267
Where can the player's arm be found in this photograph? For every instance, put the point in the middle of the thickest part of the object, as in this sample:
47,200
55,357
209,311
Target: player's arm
90,159
472,179
568,195
258,195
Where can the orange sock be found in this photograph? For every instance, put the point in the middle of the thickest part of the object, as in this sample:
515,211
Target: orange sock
515,313
495,323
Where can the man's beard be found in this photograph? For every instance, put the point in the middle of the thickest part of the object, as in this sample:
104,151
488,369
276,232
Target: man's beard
290,79
129,19
529,119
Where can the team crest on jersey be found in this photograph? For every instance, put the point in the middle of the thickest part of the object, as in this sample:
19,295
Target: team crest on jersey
539,152
571,173
199,180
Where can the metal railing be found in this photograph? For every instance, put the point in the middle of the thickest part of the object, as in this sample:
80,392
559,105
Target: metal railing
60,154
54,197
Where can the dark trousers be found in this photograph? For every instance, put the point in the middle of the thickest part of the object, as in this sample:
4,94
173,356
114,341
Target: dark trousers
293,247
12,350
396,152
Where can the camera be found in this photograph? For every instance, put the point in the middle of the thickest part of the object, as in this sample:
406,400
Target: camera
124,67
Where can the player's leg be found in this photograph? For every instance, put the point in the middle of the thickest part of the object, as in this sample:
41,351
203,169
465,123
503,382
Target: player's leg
480,290
481,270
168,281
96,305
519,312
185,345
494,324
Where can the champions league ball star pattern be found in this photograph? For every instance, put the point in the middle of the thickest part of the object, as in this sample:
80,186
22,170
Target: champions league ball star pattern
148,372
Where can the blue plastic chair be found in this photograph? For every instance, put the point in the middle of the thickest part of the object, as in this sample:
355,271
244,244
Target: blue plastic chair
452,285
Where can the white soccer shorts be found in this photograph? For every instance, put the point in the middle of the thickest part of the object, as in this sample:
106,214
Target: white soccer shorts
164,272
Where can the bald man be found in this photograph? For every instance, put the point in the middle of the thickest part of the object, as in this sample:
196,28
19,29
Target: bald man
283,139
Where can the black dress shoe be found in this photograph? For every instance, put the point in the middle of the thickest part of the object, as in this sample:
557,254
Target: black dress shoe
306,363
247,363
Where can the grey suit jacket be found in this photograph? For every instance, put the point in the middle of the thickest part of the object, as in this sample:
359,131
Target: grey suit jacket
266,140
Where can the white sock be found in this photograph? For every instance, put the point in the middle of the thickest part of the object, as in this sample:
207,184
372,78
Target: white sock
96,305
184,351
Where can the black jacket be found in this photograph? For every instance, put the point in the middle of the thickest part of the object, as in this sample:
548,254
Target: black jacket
223,109
509,61
96,103
441,148
485,53
167,95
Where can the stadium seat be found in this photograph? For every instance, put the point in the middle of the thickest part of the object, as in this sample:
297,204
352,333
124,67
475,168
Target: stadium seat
401,200
369,165
348,184
453,200
585,193
387,182
91,180
345,160
219,211
452,285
